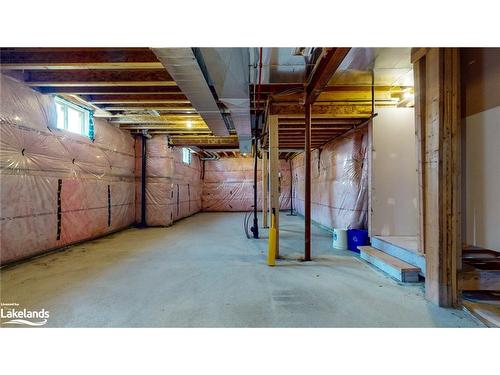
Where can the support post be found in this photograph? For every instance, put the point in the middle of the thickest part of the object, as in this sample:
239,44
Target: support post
255,227
291,189
264,190
274,174
419,75
143,182
438,128
307,197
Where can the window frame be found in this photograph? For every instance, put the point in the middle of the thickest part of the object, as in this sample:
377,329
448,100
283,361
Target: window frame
86,125
188,151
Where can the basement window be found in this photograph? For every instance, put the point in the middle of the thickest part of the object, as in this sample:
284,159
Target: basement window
73,118
186,155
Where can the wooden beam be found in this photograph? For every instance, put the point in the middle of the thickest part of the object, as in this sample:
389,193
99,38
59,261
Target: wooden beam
219,142
324,71
331,111
314,129
476,279
114,90
140,98
317,121
92,76
417,53
77,55
82,66
180,110
440,172
98,83
141,102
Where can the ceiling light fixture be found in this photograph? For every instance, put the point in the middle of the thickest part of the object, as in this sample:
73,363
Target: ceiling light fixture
189,124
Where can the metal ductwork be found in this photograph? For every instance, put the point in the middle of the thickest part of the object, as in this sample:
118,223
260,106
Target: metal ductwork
182,65
283,65
229,73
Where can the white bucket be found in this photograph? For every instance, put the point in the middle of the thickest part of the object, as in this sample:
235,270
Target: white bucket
339,239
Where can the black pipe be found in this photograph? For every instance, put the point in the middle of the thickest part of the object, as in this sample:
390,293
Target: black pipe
255,228
143,184
291,189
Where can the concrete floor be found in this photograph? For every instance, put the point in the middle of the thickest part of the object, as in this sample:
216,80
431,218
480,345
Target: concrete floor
203,272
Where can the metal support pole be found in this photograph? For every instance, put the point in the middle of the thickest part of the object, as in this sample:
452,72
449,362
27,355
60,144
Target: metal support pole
291,189
143,183
307,198
255,228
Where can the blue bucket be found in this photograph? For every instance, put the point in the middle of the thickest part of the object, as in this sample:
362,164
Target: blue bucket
357,237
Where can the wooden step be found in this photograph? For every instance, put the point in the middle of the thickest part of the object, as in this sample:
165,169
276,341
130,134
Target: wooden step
401,247
488,313
395,267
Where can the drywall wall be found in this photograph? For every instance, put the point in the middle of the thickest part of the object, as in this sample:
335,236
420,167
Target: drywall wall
228,184
482,171
57,187
339,182
173,188
480,68
394,178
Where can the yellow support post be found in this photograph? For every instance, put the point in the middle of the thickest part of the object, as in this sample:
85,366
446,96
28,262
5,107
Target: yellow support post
271,248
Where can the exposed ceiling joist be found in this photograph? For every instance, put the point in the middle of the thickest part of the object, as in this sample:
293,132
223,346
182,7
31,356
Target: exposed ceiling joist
115,90
82,66
98,83
296,110
324,71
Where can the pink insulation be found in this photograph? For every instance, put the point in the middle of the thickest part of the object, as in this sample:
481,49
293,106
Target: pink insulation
228,184
34,157
339,184
173,188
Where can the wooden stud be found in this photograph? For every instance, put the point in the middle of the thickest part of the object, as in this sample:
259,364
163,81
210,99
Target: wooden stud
438,130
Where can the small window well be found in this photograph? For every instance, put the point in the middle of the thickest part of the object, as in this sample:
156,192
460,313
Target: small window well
186,155
72,118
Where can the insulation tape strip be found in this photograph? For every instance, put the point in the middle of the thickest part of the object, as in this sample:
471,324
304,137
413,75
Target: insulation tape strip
177,200
59,210
109,205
